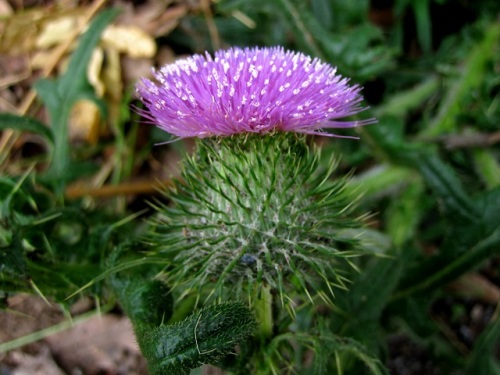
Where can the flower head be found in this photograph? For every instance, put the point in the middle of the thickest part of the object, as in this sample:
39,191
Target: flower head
256,90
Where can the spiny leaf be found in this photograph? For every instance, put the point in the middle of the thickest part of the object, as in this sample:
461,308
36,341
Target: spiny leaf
446,186
204,337
327,349
146,302
363,304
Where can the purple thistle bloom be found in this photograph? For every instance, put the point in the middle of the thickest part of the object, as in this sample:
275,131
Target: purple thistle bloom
256,90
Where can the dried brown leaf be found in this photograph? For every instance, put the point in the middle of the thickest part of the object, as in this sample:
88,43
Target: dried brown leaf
56,30
94,71
112,80
84,122
130,40
20,31
476,286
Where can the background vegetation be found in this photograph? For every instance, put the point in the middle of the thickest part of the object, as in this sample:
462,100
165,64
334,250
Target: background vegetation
73,187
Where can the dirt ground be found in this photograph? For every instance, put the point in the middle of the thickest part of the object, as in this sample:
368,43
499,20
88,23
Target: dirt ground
90,344
100,344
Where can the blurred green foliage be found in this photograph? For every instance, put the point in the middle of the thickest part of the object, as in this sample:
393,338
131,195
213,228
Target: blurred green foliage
49,246
429,170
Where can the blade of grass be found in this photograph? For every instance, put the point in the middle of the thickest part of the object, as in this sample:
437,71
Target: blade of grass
471,259
39,335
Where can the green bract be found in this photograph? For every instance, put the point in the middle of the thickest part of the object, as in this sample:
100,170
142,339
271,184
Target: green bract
255,211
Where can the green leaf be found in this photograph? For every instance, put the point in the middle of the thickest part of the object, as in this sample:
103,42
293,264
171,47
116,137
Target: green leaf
355,349
466,246
482,360
463,234
146,302
406,101
345,350
422,18
488,166
15,206
470,77
455,201
60,95
48,93
404,213
330,351
204,337
12,261
359,53
472,231
25,123
363,303
74,81
446,186
304,24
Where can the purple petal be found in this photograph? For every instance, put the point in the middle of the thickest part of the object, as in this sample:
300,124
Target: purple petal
255,90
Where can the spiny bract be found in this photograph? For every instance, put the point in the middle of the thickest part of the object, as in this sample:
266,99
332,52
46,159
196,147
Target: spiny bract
252,211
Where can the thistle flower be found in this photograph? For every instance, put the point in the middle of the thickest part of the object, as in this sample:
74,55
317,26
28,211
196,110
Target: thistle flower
254,214
251,90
